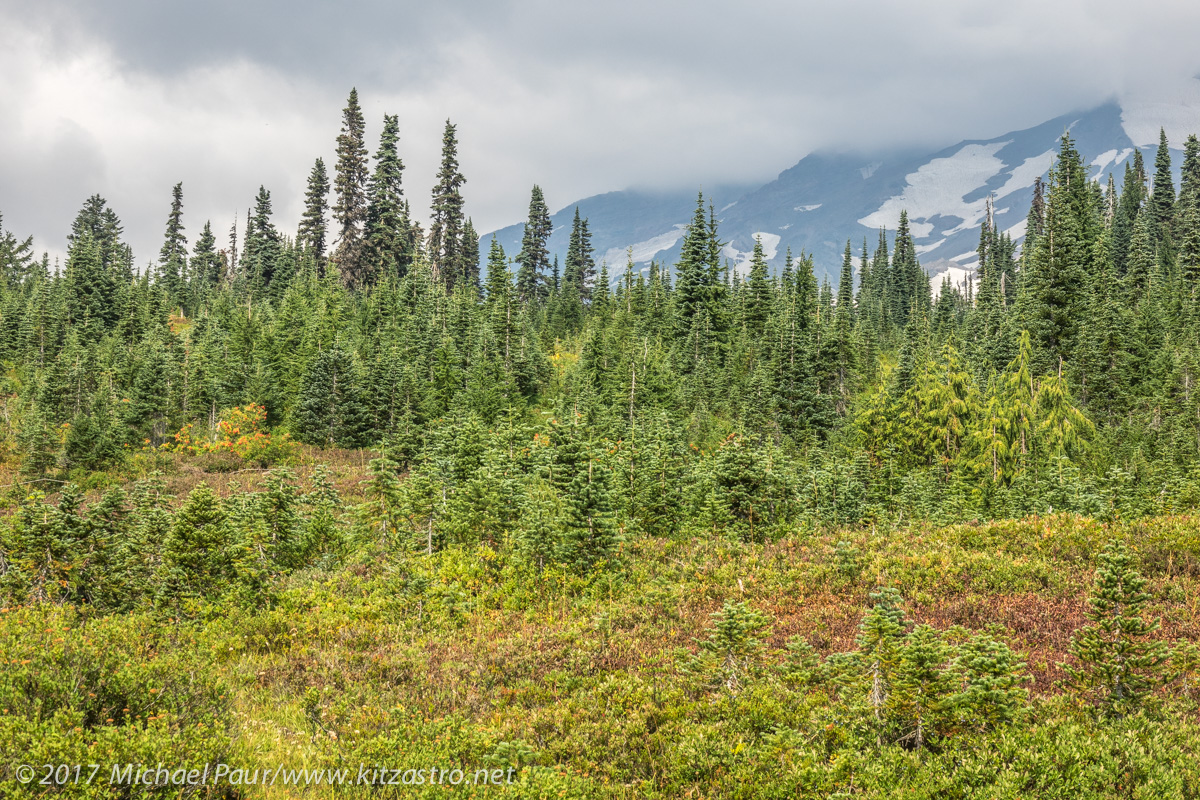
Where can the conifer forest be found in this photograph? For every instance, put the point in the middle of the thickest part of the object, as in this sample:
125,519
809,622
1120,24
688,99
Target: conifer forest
370,493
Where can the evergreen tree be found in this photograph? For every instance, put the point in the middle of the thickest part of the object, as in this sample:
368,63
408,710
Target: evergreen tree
1062,429
990,676
470,256
446,225
16,257
580,269
908,284
100,223
1189,184
387,246
920,696
841,339
1128,208
1162,198
1119,665
534,258
692,283
590,534
91,288
330,409
196,556
150,405
1188,227
262,250
350,187
879,639
1035,221
206,261
314,227
172,258
1053,290
758,292
733,653
538,535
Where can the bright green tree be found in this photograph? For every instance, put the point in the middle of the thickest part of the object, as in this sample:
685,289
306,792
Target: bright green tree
734,652
1119,664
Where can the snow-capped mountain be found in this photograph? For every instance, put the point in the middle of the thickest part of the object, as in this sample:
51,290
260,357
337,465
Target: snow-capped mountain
827,198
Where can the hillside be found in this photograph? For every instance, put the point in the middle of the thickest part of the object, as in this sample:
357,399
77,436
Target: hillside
828,198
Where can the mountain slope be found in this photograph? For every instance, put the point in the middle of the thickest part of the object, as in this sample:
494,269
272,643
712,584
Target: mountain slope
828,198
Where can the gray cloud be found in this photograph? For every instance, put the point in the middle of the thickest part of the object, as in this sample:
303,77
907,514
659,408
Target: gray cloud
126,98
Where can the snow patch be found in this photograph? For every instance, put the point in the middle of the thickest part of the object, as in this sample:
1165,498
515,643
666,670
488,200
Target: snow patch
938,188
1109,157
1023,176
920,230
971,254
922,249
959,276
741,259
869,169
807,208
785,227
1018,230
723,208
645,250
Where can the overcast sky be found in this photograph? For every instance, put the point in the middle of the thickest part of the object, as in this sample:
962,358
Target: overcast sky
127,97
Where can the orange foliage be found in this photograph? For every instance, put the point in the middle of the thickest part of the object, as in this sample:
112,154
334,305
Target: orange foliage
242,433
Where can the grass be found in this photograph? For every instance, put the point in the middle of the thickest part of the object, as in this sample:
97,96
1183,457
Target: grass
471,658
586,676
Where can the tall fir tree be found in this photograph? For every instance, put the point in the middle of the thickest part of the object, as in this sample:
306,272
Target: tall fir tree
172,258
91,288
470,255
262,248
1057,269
98,221
206,261
534,258
350,187
1189,182
757,302
446,223
314,227
841,339
387,245
579,271
1161,207
16,257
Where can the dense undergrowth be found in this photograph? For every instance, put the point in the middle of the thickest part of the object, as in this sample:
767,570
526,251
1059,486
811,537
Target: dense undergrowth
598,685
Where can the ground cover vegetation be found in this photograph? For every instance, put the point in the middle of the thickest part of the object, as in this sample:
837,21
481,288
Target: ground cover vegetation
362,496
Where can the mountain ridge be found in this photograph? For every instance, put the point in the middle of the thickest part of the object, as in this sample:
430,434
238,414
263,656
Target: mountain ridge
827,197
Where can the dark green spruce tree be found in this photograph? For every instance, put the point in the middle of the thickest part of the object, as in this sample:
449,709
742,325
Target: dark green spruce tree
314,228
387,247
534,259
446,250
350,188
172,258
331,410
